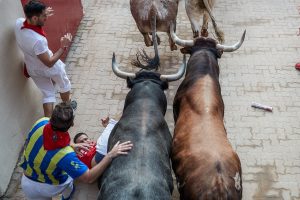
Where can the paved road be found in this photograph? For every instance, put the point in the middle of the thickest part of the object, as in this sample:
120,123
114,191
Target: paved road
262,70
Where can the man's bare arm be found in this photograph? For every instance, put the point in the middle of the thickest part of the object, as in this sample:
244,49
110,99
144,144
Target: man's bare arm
50,61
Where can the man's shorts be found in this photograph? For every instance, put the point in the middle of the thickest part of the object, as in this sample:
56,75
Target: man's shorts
42,191
47,82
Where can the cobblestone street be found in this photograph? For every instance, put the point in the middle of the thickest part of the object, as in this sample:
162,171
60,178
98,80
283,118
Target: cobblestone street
262,70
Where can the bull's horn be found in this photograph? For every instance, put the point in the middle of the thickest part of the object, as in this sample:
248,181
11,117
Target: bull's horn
178,75
233,47
177,40
118,72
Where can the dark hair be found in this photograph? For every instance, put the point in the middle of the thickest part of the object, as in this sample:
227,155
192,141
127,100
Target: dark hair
78,135
34,8
62,117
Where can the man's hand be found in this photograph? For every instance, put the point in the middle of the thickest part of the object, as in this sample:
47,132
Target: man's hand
65,40
105,121
49,11
50,61
120,149
77,147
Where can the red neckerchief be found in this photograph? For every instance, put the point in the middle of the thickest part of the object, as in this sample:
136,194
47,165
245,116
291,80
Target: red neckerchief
37,29
87,156
54,139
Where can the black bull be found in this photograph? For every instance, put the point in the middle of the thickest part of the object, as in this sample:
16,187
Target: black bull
145,173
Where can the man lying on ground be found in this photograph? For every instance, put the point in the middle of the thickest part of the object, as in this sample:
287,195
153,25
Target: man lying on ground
92,153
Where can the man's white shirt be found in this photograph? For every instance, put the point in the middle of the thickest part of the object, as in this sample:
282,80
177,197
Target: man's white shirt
102,141
33,44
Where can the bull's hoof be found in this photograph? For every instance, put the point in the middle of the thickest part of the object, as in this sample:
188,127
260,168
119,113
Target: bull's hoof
158,40
148,43
183,50
173,47
196,34
204,33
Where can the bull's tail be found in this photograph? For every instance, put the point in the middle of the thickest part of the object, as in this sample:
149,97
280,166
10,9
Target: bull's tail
222,186
219,33
152,63
154,37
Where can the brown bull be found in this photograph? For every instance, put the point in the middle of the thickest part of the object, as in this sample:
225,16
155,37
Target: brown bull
205,164
163,11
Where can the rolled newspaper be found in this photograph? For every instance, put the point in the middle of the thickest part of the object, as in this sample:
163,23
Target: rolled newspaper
261,106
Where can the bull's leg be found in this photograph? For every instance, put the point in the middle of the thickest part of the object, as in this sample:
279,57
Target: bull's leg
195,27
204,32
172,44
194,15
146,36
147,40
158,39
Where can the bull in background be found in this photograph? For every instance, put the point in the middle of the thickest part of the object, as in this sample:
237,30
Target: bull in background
204,162
164,12
145,173
195,9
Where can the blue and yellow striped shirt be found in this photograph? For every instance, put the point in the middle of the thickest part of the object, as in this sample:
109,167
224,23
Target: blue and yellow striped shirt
52,167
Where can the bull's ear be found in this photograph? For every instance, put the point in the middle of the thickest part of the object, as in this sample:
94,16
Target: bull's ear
129,82
186,50
164,85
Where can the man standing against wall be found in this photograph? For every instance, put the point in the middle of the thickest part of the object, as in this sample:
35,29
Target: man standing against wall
44,67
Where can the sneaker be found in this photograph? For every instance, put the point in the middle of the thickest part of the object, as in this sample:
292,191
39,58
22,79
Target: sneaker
73,190
73,104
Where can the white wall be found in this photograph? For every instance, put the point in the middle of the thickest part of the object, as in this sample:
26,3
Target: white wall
20,100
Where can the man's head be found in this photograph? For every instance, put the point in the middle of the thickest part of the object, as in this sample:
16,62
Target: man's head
62,117
81,138
35,12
